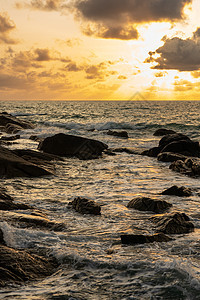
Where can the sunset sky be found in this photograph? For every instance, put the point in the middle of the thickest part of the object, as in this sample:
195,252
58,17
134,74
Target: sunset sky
100,49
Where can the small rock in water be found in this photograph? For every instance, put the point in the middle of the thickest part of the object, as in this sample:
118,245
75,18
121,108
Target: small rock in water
148,204
122,134
170,157
176,223
163,131
178,191
132,239
86,206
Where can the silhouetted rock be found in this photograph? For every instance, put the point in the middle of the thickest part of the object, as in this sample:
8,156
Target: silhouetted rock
190,167
132,239
167,139
12,166
176,223
170,157
7,120
86,206
122,134
153,152
185,147
128,150
178,191
72,146
148,204
163,131
19,266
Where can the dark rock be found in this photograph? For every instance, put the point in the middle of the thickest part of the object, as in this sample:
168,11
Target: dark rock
148,204
4,195
12,166
72,146
13,128
36,138
86,206
10,205
32,154
167,139
10,138
2,242
163,131
185,147
127,150
122,134
153,152
178,191
170,157
190,167
132,239
109,152
176,223
6,119
18,266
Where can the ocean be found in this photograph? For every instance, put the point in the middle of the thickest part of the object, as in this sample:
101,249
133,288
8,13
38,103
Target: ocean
88,269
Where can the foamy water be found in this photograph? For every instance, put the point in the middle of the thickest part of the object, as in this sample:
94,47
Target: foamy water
151,271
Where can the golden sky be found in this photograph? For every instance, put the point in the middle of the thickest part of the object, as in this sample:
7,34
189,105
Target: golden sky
99,49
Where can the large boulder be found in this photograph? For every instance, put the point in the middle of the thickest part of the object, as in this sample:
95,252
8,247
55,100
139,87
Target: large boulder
178,191
7,120
169,138
190,167
72,146
148,204
132,239
12,166
163,131
19,266
85,206
176,223
185,147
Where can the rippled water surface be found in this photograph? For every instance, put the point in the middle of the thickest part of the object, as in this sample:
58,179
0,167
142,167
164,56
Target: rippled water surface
87,269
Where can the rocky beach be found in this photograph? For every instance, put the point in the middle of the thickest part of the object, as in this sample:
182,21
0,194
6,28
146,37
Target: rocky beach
96,204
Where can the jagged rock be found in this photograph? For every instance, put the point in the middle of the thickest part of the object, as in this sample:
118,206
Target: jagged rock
178,191
122,134
176,223
163,131
85,206
6,119
170,157
132,239
12,166
148,204
190,167
72,146
10,138
19,266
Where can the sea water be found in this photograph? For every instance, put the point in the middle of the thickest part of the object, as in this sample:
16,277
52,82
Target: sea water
88,269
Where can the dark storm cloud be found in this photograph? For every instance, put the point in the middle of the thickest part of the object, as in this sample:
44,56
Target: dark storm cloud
112,19
6,26
48,5
178,54
42,55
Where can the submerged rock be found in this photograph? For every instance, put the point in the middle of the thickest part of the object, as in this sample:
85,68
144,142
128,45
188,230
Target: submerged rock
148,204
176,223
10,138
163,131
72,146
190,167
85,206
19,266
178,191
122,134
12,166
170,157
132,239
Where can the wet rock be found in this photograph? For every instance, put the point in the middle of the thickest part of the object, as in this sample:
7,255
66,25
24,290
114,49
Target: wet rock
185,147
176,223
109,152
85,206
36,138
122,134
170,138
148,204
178,191
12,166
10,205
153,152
6,119
19,266
132,239
163,131
1,237
127,150
10,138
12,128
72,146
170,157
190,167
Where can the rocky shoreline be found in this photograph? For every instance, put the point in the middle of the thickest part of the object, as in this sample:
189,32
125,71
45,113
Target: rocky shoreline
18,266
